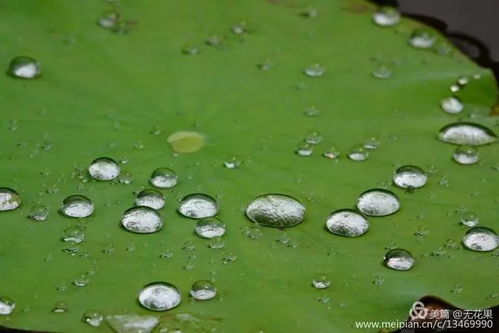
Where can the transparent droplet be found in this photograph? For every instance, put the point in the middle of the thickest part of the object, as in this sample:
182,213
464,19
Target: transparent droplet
358,153
81,281
240,28
60,307
203,290
463,81
399,259
382,72
216,243
386,16
215,41
108,19
452,105
346,222
465,155
163,178
132,323
159,296
73,234
142,220
313,138
321,281
454,88
314,70
311,111
77,206
150,198
469,219
422,39
186,141
7,305
310,12
409,176
332,153
304,149
38,213
276,210
378,202
233,162
9,199
372,143
93,318
190,49
253,232
469,134
198,206
24,68
125,178
104,168
210,227
481,239
266,64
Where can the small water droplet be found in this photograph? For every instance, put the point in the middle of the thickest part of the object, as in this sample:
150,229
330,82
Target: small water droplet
304,149
132,323
386,16
198,206
210,227
321,281
167,254
159,296
38,213
469,219
203,290
233,162
266,65
253,232
60,307
93,318
9,199
81,281
324,299
399,260
346,222
422,39
190,49
378,202
276,210
125,177
7,305
409,176
464,133
372,143
311,111
454,88
358,153
77,206
240,28
315,70
24,68
104,168
332,153
465,155
452,105
150,198
481,239
310,12
163,178
382,72
216,243
186,141
229,258
463,81
313,138
215,41
73,234
141,219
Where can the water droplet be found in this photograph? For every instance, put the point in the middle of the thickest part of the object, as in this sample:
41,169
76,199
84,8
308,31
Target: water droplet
399,259
203,290
313,138
324,299
233,162
215,41
198,206
253,232
9,199
452,105
321,281
358,153
150,198
304,149
382,72
310,12
81,281
314,70
60,307
469,219
132,323
240,28
467,134
93,318
216,243
108,19
24,68
465,155
166,254
266,64
229,258
186,142
372,143
346,222
409,176
378,202
73,234
163,178
210,227
77,206
276,210
386,16
159,296
190,49
481,239
142,220
332,153
125,177
422,39
189,246
104,168
38,213
311,111
7,305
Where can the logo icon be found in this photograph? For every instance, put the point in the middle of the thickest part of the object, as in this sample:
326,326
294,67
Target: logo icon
418,311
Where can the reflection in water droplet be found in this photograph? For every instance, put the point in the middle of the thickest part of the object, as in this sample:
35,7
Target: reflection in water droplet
481,239
382,72
163,178
203,290
132,323
7,305
210,227
464,133
186,141
378,202
314,70
143,220
321,281
73,234
346,222
358,153
93,318
150,198
465,155
38,213
24,68
399,259
104,168
422,39
198,206
276,210
386,16
77,206
159,296
469,219
304,149
409,176
9,199
452,105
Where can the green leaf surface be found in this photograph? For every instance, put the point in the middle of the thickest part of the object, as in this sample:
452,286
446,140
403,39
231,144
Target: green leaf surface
102,94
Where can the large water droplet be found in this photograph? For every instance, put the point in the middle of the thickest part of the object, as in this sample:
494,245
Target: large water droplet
210,227
276,210
159,296
186,141
386,16
203,290
452,105
346,222
314,70
38,213
481,239
93,318
198,206
142,220
467,134
7,305
9,199
469,219
163,178
104,168
24,68
77,206
150,198
399,259
378,202
409,176
132,323
465,155
422,39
